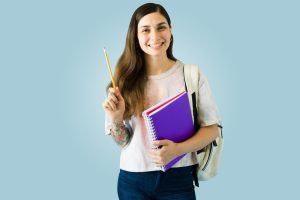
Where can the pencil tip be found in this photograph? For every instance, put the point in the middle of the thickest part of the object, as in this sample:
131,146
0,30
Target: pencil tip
104,49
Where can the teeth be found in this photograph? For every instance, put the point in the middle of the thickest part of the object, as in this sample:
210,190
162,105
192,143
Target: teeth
155,45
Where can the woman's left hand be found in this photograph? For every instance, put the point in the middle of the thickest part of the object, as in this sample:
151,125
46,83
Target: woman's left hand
166,152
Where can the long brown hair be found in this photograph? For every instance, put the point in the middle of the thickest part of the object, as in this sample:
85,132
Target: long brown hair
130,74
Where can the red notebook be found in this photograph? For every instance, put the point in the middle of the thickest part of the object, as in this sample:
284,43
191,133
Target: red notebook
172,120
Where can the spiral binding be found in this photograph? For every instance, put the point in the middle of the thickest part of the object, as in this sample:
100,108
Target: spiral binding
150,126
151,129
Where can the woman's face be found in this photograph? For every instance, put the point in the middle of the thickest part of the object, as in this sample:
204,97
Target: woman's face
154,34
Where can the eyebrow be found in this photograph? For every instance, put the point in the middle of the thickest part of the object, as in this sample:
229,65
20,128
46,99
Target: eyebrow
159,24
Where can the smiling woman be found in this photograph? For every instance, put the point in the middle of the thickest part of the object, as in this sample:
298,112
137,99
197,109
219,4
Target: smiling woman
147,73
154,34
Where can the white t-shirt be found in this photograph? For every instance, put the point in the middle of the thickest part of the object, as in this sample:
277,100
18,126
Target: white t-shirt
135,156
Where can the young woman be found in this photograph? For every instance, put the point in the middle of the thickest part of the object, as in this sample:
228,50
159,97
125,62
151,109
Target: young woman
146,74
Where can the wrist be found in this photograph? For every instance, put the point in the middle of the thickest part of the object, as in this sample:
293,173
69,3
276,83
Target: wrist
180,149
184,148
117,120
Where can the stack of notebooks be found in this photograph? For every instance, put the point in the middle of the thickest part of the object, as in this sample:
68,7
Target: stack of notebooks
172,120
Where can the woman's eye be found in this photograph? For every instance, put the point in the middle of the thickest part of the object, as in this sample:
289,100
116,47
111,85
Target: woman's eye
145,31
161,28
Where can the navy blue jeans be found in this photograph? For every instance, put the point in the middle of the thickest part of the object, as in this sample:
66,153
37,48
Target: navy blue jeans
175,184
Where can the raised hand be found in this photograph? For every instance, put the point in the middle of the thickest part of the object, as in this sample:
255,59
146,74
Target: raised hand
114,105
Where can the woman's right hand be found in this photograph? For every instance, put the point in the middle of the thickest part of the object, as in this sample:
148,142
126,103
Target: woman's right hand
114,105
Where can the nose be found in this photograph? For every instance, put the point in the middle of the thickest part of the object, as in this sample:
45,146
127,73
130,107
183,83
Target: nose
154,35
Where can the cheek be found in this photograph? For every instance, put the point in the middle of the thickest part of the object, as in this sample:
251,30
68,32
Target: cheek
167,36
141,44
141,40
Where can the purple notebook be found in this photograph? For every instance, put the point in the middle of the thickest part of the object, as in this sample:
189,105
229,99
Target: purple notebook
172,120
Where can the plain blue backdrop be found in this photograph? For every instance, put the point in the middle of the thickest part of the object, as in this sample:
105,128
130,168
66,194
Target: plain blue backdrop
53,78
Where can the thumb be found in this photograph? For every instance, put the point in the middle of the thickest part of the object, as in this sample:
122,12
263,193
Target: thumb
161,142
119,96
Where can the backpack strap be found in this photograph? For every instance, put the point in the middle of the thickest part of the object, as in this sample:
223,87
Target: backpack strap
191,80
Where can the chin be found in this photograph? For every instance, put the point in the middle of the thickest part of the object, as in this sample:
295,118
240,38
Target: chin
155,52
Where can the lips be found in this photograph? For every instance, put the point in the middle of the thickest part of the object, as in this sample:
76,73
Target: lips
156,44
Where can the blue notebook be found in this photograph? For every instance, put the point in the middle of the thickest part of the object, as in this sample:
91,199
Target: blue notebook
172,120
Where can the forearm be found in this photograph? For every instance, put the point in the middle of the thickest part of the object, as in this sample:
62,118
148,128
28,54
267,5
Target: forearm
120,134
202,138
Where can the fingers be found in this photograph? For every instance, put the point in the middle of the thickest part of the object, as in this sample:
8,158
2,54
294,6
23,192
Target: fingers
113,95
159,143
162,152
110,104
112,100
118,95
156,158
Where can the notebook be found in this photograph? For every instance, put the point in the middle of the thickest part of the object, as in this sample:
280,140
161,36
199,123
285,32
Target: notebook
172,120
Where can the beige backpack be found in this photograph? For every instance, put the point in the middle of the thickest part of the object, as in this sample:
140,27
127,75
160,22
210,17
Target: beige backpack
208,157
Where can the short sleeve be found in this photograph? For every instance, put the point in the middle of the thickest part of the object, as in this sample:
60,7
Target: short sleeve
208,113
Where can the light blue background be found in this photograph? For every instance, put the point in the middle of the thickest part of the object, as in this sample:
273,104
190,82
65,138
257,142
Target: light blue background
53,77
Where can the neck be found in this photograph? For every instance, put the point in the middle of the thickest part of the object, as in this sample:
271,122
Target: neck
156,65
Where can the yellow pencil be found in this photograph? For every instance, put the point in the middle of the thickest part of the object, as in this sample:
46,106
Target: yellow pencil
110,72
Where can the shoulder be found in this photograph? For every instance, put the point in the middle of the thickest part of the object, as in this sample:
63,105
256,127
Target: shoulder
191,67
195,74
192,71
